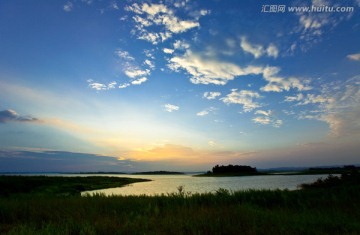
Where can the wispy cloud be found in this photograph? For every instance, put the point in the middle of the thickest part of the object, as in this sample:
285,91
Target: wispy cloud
244,97
211,95
258,50
168,51
124,55
355,57
337,105
68,7
267,118
277,83
206,111
209,70
100,86
139,81
170,108
148,15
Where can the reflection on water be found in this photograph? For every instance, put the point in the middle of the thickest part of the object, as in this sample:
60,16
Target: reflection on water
163,184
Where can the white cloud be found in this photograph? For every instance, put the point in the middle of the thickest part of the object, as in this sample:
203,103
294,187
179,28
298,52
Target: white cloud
206,111
202,113
313,25
68,7
338,106
124,85
354,56
313,99
211,95
279,84
170,108
149,54
267,118
272,51
139,81
160,15
124,55
209,71
263,112
150,64
255,50
181,45
298,97
258,50
136,72
262,120
114,5
244,97
168,51
100,86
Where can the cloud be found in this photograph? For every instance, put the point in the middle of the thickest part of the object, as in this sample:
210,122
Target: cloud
267,118
243,97
61,161
338,106
355,57
133,72
100,86
313,99
150,64
139,81
205,112
187,156
11,116
257,50
124,85
68,7
181,45
262,120
205,70
148,15
168,51
313,25
298,97
208,70
211,95
124,55
278,84
265,113
170,108
114,5
272,51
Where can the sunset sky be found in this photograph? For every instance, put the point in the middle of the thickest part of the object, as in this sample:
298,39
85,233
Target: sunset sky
98,85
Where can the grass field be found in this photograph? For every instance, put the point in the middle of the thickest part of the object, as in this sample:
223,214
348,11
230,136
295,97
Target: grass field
322,209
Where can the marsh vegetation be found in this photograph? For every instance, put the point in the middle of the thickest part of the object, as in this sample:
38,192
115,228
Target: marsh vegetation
324,208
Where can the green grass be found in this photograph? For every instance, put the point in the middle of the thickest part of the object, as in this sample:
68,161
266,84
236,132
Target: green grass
319,210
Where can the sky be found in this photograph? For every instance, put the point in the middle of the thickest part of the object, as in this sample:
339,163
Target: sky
181,85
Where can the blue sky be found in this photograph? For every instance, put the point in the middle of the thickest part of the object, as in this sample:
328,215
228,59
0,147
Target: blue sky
178,85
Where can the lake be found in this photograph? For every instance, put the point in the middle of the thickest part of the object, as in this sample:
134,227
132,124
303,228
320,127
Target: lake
163,184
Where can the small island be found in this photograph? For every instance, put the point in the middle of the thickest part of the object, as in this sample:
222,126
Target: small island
232,170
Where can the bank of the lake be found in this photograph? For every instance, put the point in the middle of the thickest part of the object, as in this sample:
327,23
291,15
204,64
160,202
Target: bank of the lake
59,185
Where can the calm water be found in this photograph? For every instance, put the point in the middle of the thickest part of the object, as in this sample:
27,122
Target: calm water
168,183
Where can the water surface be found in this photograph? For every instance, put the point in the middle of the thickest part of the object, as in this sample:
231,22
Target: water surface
164,184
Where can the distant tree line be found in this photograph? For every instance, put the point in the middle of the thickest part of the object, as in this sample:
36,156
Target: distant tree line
234,169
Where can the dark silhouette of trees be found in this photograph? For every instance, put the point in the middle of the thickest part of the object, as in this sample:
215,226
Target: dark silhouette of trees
234,169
